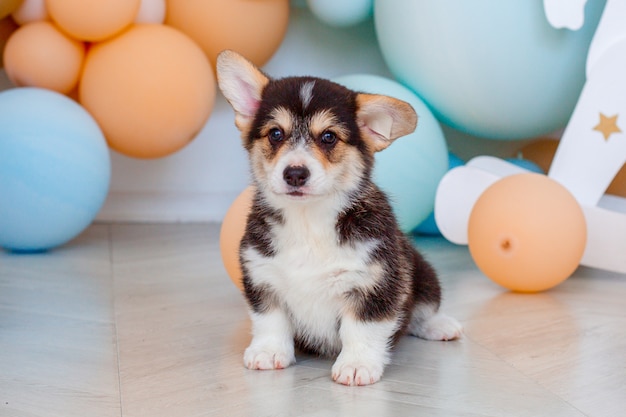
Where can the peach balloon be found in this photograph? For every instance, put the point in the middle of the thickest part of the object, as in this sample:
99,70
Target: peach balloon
527,233
40,55
231,233
93,20
31,11
7,27
8,6
151,89
255,29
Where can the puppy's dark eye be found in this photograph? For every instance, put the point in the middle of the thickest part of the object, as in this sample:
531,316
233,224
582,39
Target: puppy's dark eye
328,138
275,135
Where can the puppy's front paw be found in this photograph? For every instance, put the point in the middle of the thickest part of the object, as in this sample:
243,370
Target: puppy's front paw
347,372
267,358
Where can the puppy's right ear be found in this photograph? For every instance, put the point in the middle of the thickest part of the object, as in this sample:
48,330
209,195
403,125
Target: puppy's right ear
242,84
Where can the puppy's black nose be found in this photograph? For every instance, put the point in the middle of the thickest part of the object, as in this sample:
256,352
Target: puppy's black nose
296,176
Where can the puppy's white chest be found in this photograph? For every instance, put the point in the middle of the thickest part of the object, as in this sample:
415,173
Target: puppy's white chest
310,258
311,272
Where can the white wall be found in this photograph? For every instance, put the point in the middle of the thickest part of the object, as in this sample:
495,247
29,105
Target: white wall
199,182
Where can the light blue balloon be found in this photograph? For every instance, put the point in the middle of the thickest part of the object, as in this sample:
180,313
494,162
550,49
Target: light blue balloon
55,169
490,68
410,169
341,13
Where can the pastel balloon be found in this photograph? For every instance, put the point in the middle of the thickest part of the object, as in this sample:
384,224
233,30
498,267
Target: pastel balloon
231,233
151,11
8,6
255,29
7,27
410,169
40,55
31,11
54,169
491,68
151,89
93,20
341,12
527,233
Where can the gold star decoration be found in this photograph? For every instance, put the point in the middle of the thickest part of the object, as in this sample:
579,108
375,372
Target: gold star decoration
607,126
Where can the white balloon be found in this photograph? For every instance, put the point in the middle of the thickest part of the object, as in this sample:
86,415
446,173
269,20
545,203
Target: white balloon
31,11
151,11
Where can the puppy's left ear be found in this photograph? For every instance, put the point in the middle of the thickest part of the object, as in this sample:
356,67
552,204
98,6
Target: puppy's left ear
383,119
242,84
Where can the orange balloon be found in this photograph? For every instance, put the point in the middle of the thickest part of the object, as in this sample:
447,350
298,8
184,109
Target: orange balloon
151,90
541,152
527,233
255,29
7,27
618,185
231,233
8,6
93,20
40,55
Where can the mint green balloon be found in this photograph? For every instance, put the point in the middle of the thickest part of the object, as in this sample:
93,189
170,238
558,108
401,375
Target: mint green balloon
410,169
490,68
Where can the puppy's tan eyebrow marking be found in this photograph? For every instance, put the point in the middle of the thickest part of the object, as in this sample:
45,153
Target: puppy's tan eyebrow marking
325,119
306,93
283,118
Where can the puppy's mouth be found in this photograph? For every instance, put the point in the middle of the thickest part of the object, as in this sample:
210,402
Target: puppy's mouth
297,194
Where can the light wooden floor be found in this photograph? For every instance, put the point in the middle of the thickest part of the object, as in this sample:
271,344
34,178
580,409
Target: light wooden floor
142,320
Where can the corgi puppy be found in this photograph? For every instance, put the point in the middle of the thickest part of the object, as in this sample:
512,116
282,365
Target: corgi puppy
325,266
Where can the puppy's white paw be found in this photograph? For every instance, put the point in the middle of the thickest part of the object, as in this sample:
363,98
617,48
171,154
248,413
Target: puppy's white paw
267,358
436,327
356,373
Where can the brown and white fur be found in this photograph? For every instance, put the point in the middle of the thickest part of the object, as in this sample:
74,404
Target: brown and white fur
325,267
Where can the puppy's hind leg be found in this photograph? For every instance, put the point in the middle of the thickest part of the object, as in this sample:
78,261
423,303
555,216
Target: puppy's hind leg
426,320
430,324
